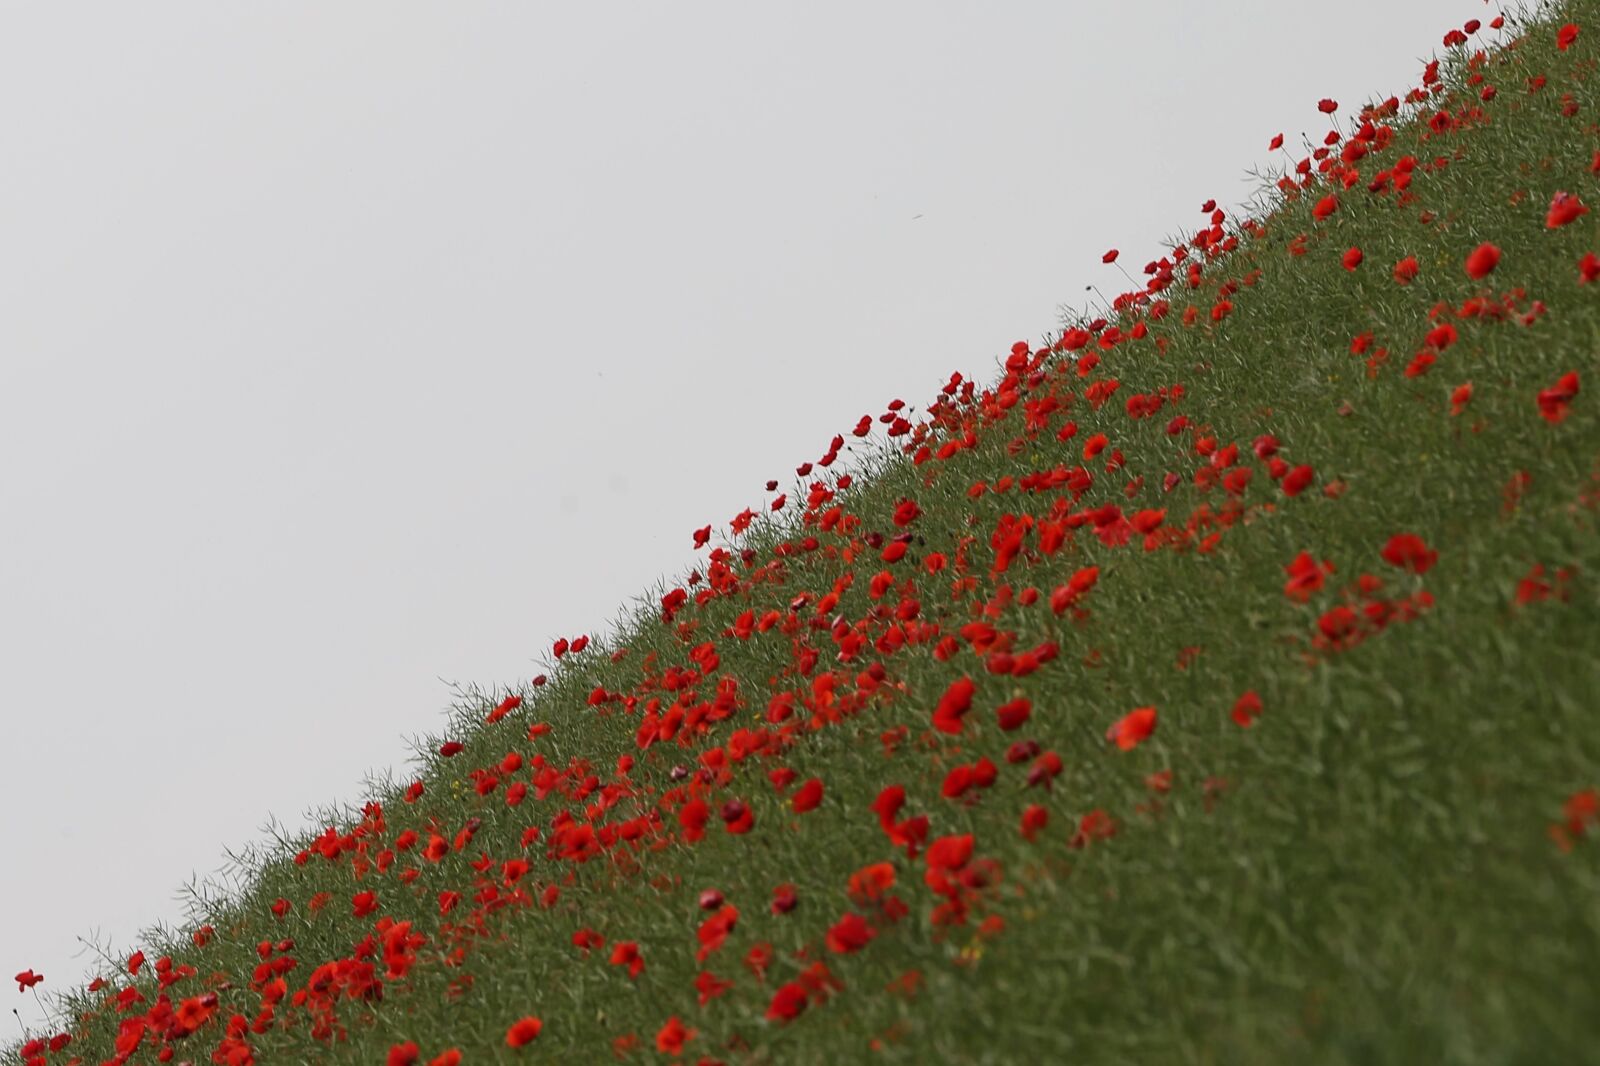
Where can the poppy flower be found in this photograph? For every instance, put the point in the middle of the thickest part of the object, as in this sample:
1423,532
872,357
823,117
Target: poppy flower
953,705
1482,261
1014,715
671,1037
1325,207
713,932
808,797
1460,396
906,512
1352,258
363,903
737,817
1246,709
135,961
626,953
1305,577
1555,401
1566,35
523,1032
1409,552
1405,271
1588,268
1339,626
1297,479
1109,257
1564,209
1045,769
784,899
1081,582
1133,728
407,1054
1096,825
787,1003
1034,820
27,979
710,986
849,934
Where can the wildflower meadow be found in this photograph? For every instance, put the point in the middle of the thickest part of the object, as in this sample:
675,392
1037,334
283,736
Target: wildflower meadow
1214,680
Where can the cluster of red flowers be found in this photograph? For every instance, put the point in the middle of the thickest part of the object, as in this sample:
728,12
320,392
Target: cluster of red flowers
695,726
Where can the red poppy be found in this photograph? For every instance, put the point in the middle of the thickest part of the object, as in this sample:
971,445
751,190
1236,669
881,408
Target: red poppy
524,1031
626,953
1034,820
1566,35
1081,582
1405,271
1409,552
1325,207
850,933
1246,709
1555,401
787,1003
1352,258
27,979
1014,715
953,705
671,1037
784,899
1327,107
1305,577
1460,396
1564,209
737,818
1297,479
808,797
710,986
1482,261
1133,728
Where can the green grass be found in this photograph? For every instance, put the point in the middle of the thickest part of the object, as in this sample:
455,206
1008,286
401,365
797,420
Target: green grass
1377,870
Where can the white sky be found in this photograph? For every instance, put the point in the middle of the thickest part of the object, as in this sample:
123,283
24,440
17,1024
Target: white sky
348,347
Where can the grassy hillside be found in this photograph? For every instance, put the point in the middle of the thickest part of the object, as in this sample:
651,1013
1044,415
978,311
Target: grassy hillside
1217,683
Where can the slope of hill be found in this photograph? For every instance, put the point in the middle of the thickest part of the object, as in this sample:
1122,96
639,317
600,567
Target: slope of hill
1216,685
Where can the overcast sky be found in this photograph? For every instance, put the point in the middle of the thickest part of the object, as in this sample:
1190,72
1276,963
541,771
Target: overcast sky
345,348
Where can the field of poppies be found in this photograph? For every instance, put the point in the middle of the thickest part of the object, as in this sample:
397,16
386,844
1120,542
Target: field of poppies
1217,681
